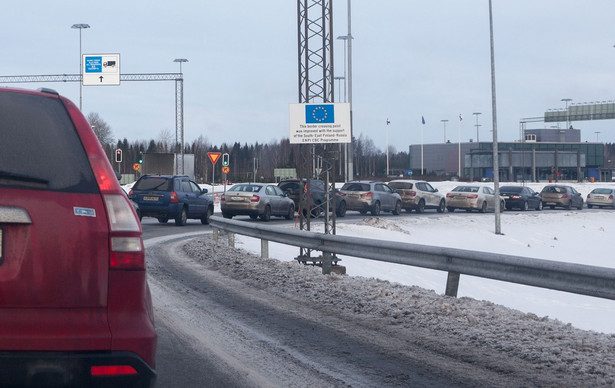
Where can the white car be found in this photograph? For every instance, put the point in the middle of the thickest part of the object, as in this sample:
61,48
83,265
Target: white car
601,197
473,197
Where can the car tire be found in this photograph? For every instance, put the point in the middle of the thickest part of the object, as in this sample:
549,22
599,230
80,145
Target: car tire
207,216
397,210
376,209
503,206
421,207
569,205
163,220
227,215
442,206
253,217
182,218
525,207
589,206
450,209
266,216
291,212
539,207
580,205
341,209
483,208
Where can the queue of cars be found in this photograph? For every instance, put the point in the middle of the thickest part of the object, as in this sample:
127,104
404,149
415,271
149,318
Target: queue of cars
164,197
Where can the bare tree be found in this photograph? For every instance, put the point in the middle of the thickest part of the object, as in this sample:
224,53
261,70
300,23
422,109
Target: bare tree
100,128
167,139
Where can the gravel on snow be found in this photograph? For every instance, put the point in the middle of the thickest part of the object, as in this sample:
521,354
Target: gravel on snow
548,345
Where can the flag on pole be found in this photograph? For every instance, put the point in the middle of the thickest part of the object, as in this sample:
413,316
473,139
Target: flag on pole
388,121
460,117
423,119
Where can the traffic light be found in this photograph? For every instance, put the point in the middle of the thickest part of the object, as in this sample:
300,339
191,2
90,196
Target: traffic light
118,155
225,158
140,159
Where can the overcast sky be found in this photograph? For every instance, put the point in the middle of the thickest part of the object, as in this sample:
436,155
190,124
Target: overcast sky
410,59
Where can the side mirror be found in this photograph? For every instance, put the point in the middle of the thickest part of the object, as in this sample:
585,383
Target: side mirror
204,191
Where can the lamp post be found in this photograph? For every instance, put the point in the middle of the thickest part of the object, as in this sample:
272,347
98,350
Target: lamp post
567,100
80,27
477,125
444,122
179,116
346,39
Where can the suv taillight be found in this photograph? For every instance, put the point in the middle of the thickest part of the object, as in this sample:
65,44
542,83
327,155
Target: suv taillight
367,195
126,245
174,198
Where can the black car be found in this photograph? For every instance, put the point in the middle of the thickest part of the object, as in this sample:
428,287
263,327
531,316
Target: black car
521,197
171,197
317,196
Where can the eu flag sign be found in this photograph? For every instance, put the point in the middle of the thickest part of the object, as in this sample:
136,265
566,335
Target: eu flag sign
317,114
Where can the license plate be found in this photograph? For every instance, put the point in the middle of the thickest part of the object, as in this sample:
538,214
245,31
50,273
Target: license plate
150,198
551,203
599,197
236,198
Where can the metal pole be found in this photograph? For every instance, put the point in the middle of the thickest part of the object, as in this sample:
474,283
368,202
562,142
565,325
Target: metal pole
80,26
477,125
350,147
496,165
444,122
387,141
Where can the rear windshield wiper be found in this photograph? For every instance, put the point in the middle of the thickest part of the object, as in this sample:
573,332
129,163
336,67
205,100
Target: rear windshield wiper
10,179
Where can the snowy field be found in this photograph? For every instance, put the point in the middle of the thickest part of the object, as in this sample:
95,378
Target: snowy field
584,237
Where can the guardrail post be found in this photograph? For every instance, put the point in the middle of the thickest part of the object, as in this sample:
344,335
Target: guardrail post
326,263
215,234
231,240
452,284
264,249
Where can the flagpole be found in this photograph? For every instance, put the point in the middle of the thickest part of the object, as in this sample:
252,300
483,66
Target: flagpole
422,126
387,141
459,146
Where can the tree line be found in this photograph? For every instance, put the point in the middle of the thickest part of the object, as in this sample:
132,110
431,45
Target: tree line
258,161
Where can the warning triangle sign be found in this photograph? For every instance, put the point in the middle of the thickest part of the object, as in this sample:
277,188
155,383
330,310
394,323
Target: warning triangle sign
214,156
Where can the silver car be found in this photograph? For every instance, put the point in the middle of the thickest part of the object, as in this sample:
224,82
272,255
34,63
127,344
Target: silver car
364,196
601,197
473,197
418,195
256,200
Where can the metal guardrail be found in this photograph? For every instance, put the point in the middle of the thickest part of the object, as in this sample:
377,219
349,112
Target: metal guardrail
574,278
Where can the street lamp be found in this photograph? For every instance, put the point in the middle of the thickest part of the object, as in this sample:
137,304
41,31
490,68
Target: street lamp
180,60
80,26
477,125
444,122
567,100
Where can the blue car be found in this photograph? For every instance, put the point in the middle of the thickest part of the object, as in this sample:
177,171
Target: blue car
166,197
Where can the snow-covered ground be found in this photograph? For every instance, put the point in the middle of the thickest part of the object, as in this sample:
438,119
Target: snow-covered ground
584,237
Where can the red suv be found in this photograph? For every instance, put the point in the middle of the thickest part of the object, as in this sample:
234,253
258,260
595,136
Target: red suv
75,306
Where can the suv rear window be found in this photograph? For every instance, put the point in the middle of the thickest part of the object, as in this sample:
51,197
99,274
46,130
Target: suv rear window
400,185
154,184
39,146
356,187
